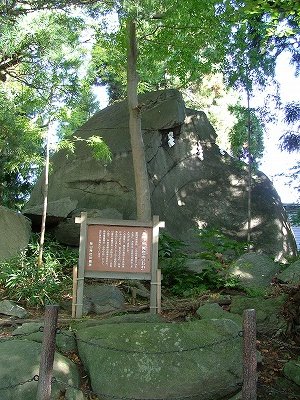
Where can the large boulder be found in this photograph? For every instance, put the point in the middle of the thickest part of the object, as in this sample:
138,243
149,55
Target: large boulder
15,231
269,312
291,274
254,270
193,183
64,340
101,299
199,359
20,361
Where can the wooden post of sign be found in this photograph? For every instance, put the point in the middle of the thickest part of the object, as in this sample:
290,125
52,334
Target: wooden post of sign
81,264
249,390
74,293
154,267
158,280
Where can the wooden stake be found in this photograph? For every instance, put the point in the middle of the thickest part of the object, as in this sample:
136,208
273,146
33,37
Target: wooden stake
48,350
249,391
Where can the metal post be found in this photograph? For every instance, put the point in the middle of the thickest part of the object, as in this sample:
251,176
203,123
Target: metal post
48,350
249,391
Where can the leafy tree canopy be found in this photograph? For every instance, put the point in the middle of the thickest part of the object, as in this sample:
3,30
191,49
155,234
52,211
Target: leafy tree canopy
179,42
41,80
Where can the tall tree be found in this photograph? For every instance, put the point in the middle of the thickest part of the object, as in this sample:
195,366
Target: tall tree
135,129
41,54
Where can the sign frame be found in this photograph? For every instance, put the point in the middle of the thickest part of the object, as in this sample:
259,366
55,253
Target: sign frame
154,275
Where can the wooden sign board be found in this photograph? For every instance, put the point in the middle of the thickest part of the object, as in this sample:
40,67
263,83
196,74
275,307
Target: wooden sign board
117,249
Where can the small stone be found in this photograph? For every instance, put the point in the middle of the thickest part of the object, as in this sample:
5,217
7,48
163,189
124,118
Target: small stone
9,307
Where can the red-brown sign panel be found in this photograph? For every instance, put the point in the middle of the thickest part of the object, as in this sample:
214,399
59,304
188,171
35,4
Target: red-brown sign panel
118,249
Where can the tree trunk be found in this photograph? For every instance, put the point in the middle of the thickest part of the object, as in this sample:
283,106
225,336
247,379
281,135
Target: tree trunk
143,203
45,193
249,227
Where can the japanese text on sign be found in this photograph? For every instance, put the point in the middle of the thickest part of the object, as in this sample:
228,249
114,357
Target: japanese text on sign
118,248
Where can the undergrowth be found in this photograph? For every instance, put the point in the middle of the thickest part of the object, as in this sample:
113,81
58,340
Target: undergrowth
217,251
23,281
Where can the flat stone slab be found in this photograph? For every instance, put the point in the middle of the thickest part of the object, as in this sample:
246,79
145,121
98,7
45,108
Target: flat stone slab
202,359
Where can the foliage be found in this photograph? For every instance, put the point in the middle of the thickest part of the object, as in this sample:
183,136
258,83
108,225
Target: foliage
175,49
23,281
212,96
99,148
238,136
41,77
169,247
76,112
217,246
164,29
21,153
290,140
282,19
184,283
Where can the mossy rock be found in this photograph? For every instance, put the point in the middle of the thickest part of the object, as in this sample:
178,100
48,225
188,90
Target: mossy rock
268,311
202,358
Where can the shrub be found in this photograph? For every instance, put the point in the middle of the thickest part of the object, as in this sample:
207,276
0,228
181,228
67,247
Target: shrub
216,245
23,281
184,283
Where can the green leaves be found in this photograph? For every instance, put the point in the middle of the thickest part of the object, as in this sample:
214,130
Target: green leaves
41,56
20,153
99,148
238,136
22,280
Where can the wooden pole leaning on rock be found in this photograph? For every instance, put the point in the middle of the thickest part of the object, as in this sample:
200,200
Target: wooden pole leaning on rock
249,391
48,350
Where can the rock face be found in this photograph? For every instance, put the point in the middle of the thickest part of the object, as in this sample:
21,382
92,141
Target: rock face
15,232
193,183
199,359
